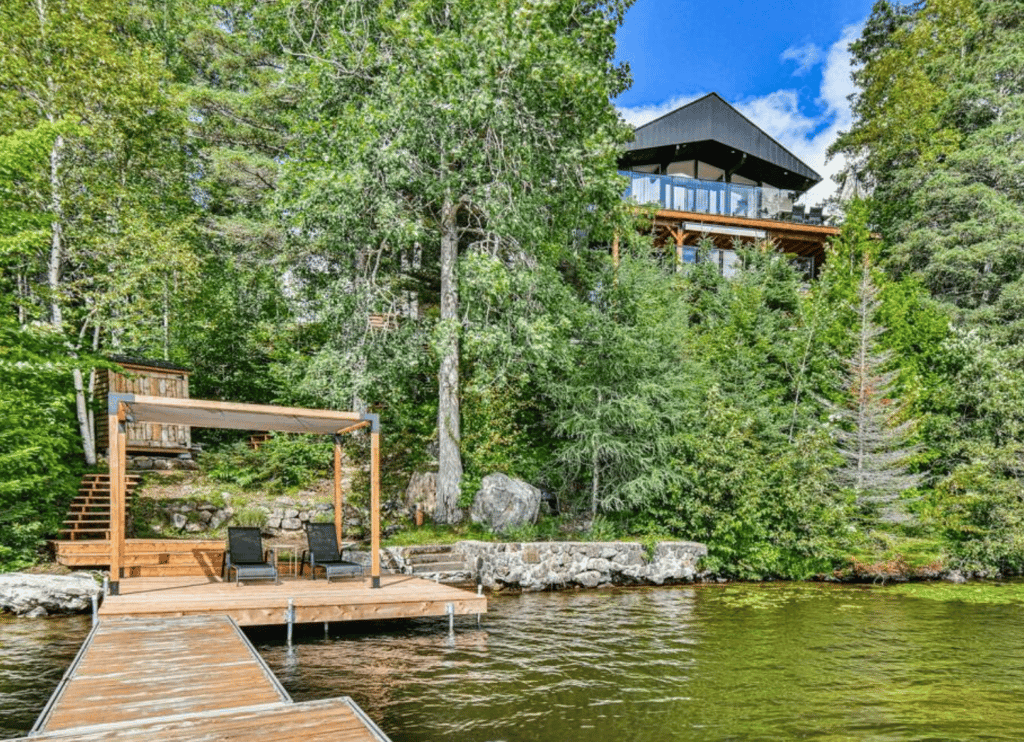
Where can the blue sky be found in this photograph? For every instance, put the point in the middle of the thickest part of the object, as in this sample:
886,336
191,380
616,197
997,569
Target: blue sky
785,65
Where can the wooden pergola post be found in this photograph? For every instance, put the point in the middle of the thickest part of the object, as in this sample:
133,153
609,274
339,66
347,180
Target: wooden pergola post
339,499
375,504
116,454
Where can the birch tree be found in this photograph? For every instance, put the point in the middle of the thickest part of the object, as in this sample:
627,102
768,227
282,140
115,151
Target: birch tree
106,246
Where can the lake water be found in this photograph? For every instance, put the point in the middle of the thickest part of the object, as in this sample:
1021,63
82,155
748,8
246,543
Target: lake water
734,662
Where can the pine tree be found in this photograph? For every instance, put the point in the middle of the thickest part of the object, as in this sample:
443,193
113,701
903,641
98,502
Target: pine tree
874,427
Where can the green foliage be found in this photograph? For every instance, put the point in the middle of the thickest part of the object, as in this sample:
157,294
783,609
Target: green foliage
38,469
285,461
249,517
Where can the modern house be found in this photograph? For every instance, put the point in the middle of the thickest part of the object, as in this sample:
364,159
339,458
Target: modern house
715,174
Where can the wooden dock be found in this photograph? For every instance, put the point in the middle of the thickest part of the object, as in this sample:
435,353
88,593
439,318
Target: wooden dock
314,601
178,679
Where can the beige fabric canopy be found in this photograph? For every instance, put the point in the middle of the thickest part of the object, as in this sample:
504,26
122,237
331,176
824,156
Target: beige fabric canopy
131,408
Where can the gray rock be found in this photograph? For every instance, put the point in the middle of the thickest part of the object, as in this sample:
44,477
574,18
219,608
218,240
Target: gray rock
193,528
422,491
291,513
504,503
955,577
178,520
41,595
274,521
590,578
291,524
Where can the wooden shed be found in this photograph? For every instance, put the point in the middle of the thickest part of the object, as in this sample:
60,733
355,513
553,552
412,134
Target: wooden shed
150,379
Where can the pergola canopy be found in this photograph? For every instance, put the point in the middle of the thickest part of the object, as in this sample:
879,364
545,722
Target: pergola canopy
132,408
204,413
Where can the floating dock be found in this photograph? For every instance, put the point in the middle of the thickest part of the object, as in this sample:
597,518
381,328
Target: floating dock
186,679
313,601
167,660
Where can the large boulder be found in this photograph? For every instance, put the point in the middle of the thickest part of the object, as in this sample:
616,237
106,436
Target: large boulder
39,595
503,503
422,491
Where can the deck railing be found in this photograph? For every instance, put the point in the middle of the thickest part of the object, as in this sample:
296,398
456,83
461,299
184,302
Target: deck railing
708,197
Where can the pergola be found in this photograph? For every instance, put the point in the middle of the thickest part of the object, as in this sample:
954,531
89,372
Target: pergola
132,408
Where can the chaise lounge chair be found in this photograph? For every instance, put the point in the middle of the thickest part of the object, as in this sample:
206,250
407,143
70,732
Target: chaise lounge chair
324,552
245,555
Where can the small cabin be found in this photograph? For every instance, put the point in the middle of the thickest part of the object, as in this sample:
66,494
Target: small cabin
150,378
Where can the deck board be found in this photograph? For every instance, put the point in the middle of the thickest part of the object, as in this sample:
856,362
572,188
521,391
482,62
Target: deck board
315,601
192,678
137,669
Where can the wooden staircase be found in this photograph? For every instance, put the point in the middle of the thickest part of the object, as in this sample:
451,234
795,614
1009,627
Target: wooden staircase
89,514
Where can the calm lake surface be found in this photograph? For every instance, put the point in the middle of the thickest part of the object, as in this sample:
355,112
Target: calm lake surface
734,662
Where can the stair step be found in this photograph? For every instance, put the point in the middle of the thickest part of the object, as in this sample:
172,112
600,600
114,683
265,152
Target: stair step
426,554
439,567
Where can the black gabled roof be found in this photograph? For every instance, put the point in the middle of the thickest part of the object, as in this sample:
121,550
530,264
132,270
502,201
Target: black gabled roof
711,119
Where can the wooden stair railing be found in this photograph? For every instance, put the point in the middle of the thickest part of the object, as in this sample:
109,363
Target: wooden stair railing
89,513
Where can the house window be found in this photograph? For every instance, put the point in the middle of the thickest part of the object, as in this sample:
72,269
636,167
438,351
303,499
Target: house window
686,168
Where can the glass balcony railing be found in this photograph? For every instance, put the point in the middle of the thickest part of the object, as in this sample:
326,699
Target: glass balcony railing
709,197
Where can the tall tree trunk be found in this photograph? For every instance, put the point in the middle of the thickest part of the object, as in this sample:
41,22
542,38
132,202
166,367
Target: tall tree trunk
449,475
55,270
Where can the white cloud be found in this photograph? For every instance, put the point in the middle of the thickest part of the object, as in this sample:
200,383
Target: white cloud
643,114
805,56
779,114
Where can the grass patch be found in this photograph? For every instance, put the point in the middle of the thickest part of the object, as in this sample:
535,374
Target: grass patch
431,533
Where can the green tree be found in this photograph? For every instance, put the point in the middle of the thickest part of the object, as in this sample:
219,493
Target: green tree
432,130
97,185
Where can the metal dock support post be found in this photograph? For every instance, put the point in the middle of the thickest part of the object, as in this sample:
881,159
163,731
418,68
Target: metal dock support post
450,608
95,609
290,618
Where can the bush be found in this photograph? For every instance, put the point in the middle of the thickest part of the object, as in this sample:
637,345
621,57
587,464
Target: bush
284,461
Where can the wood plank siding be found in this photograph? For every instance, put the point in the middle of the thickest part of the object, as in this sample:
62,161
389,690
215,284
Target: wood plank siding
144,380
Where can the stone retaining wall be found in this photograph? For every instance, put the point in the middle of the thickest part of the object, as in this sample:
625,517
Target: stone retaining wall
556,565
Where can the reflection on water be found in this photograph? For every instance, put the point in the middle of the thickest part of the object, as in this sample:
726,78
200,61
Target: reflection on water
34,653
739,662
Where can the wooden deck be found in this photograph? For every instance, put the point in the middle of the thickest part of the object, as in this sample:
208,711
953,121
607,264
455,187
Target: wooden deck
315,601
147,557
194,678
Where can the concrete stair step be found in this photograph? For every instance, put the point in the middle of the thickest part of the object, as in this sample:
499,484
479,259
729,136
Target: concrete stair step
439,567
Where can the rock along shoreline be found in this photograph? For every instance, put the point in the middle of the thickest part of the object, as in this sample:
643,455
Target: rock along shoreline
35,596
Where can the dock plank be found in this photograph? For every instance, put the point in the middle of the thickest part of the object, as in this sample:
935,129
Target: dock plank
333,720
315,601
185,680
137,669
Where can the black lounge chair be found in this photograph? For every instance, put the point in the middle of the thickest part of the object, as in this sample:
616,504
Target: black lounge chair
798,214
816,215
245,555
324,552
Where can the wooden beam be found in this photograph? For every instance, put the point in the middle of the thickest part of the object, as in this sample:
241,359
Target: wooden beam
375,507
351,428
339,502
